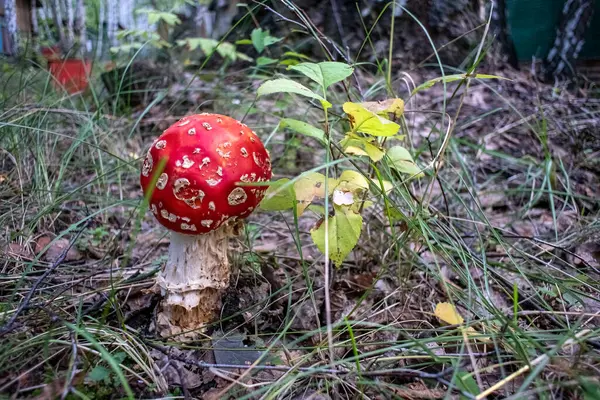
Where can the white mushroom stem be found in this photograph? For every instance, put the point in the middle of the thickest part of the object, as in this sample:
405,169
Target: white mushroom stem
192,282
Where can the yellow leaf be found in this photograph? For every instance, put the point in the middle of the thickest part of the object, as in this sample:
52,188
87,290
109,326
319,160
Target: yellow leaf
309,186
365,121
386,107
387,185
447,313
356,151
362,146
353,181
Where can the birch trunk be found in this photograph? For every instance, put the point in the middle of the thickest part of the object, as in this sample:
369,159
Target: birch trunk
70,23
100,38
111,22
58,23
34,18
10,14
80,27
43,15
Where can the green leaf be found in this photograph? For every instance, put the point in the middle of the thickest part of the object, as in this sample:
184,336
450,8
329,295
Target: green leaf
269,40
243,41
260,61
297,55
228,50
156,16
98,373
258,39
401,160
280,196
362,147
126,48
289,61
365,121
119,356
486,76
224,49
343,231
303,128
452,78
262,39
591,388
289,86
324,73
466,383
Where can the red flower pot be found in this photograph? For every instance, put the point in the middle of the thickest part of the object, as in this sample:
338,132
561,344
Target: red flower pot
70,74
51,53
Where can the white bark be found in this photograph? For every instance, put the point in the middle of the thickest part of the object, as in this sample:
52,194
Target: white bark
126,14
70,24
34,17
43,14
204,19
80,26
100,38
192,281
111,22
10,15
58,23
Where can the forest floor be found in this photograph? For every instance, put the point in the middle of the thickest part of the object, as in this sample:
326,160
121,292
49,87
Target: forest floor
506,228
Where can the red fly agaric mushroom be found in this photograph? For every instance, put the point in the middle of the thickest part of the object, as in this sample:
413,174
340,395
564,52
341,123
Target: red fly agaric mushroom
197,175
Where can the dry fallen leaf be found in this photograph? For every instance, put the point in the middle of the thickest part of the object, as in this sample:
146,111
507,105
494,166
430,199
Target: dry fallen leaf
57,246
448,314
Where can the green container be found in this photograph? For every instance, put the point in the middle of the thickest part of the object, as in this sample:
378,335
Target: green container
533,25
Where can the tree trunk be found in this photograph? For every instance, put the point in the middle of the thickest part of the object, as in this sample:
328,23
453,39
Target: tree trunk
10,14
203,18
111,22
43,13
70,23
504,47
58,23
100,38
80,27
570,38
34,19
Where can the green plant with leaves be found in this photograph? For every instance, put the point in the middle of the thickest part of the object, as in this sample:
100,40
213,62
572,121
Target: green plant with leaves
261,40
166,19
370,127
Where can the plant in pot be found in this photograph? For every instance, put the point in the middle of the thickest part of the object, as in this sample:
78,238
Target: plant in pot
65,40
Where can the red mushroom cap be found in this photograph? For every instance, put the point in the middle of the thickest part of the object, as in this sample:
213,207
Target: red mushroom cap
207,159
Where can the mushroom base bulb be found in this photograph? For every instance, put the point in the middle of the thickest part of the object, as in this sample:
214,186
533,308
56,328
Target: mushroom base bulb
192,280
